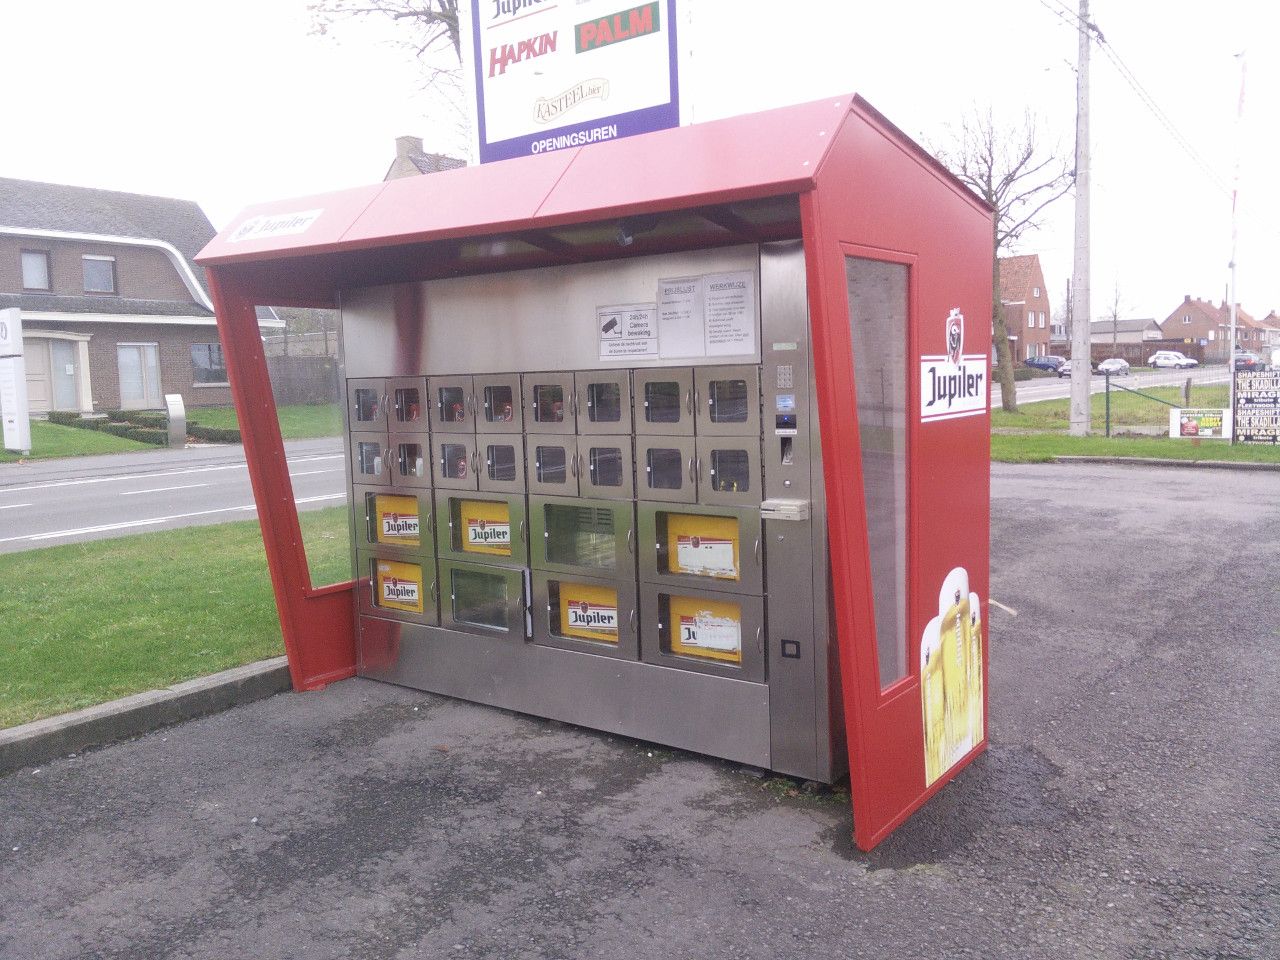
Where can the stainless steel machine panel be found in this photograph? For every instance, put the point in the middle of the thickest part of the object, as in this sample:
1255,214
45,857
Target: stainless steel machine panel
410,459
700,548
455,462
603,401
593,538
606,467
407,405
553,464
705,631
490,601
397,588
498,404
548,398
728,469
664,402
501,460
367,404
397,523
727,400
586,614
453,404
482,528
370,459
666,469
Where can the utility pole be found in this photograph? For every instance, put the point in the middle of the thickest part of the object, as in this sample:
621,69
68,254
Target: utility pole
1235,190
1081,370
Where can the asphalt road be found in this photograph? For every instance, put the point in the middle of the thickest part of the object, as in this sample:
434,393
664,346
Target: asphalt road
44,503
1055,388
1127,807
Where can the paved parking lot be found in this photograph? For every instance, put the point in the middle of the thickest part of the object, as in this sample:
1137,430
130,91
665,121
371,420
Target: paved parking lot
1127,807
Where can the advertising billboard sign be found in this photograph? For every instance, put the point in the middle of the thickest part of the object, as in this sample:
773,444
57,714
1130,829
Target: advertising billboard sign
1209,424
551,74
1257,414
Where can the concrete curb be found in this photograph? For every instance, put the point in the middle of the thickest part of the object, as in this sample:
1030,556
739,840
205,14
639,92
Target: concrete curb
45,740
1162,462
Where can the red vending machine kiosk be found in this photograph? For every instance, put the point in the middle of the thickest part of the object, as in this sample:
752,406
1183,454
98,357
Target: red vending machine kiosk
683,437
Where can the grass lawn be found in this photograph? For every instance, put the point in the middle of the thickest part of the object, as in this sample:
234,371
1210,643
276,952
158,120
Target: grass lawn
86,623
1043,447
1126,408
49,440
298,421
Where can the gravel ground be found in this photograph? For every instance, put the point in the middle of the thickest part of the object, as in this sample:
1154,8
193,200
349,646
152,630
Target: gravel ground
1127,807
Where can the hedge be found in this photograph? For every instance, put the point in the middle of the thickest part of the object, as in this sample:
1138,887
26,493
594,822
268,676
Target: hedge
118,429
64,417
213,434
117,416
144,435
153,421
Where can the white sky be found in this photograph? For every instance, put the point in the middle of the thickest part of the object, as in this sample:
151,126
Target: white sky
234,102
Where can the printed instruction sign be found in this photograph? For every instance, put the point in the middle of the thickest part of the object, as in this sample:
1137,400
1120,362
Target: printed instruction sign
628,331
708,316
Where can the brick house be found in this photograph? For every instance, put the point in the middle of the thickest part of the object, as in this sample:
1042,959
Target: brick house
114,309
1199,321
1025,301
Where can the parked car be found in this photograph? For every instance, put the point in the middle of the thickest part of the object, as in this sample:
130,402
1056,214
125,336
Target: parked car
1171,358
1049,363
1116,366
1246,360
1065,369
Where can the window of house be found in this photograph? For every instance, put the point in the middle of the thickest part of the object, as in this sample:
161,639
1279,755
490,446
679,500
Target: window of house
35,269
1042,321
1186,318
99,274
1035,291
207,363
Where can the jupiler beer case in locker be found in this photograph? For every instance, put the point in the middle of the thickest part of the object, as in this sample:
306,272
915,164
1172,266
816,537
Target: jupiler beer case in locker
597,536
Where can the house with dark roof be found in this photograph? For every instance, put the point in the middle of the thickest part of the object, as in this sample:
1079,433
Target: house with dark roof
1025,302
412,161
1199,321
1141,330
115,313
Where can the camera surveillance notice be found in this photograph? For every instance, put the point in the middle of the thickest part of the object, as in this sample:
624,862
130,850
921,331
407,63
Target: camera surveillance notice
628,331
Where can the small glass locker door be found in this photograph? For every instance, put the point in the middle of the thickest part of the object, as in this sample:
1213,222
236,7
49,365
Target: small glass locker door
664,402
705,631
728,470
501,461
398,588
548,403
490,601
666,469
603,401
592,537
554,467
453,405
716,548
455,463
407,405
482,528
410,459
370,459
366,405
397,523
498,406
606,467
586,614
728,400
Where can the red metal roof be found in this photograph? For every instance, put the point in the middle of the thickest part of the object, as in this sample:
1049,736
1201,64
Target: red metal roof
757,155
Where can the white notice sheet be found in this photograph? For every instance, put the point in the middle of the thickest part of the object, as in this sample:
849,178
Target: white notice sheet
730,309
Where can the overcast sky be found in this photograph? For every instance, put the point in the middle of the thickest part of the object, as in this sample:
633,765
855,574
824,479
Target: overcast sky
234,102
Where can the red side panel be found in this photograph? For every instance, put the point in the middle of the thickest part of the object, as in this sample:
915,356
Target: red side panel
318,625
878,198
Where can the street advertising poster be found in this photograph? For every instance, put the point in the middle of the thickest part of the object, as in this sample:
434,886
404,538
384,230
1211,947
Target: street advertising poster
951,691
1257,413
1199,424
551,74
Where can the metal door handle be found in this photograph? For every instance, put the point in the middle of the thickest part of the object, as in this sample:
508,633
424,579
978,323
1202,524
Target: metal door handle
573,402
760,639
385,401
688,400
471,405
573,466
693,477
755,551
435,590
631,620
631,540
475,463
522,530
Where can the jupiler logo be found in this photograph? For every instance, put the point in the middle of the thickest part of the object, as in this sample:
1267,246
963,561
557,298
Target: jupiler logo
955,335
511,8
952,384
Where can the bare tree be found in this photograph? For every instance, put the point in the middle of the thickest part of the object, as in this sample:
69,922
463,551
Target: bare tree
1005,167
1115,318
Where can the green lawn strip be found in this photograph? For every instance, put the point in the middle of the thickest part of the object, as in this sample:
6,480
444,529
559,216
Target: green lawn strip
50,440
1043,447
298,421
87,623
1127,409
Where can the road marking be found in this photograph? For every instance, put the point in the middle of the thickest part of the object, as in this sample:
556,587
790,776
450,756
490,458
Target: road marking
327,496
1009,610
106,527
156,475
13,506
312,473
185,486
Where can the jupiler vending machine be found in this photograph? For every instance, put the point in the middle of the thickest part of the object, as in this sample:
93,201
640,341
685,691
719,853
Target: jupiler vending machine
683,437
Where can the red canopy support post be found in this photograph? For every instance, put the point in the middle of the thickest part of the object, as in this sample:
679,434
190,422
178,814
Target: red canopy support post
318,625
